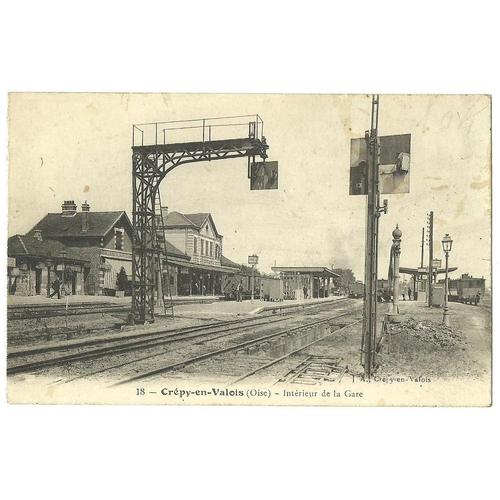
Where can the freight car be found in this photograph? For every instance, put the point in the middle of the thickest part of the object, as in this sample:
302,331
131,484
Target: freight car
271,289
266,288
230,284
467,290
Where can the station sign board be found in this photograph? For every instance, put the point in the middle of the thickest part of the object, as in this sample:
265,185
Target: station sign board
394,166
264,175
253,260
436,263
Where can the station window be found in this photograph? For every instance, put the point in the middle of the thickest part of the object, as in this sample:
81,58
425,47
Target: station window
211,249
118,239
195,245
201,246
216,251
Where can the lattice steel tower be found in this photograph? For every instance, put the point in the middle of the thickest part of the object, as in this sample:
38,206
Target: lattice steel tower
157,150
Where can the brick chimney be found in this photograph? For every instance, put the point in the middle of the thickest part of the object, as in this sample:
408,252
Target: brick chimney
68,208
85,216
37,234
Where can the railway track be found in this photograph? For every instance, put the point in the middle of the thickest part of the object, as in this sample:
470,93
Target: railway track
38,312
263,367
24,312
245,358
96,357
89,350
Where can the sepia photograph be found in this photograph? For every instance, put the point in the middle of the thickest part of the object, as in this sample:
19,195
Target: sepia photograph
249,249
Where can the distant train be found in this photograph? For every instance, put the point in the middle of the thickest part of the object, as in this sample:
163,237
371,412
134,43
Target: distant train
467,290
356,290
384,292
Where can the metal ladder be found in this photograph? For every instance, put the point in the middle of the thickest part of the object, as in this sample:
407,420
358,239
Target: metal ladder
160,245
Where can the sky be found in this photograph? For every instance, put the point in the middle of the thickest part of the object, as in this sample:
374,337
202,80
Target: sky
78,146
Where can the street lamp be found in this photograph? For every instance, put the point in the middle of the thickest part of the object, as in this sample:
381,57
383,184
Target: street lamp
447,244
63,257
252,260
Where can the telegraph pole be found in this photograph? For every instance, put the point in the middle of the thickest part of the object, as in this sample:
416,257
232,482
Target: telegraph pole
430,222
418,278
372,219
422,248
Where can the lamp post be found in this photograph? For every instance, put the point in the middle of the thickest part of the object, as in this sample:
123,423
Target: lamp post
396,245
63,254
252,260
447,242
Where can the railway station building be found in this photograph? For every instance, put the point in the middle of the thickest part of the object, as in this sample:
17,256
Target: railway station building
196,263
306,282
33,264
91,248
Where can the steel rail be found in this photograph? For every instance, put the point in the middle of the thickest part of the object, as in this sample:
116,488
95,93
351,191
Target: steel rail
143,343
16,316
211,354
120,365
49,311
287,355
154,334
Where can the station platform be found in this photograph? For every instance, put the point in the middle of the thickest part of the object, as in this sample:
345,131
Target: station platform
195,307
247,307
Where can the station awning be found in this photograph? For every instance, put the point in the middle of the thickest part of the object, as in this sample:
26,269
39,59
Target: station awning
425,271
324,272
204,267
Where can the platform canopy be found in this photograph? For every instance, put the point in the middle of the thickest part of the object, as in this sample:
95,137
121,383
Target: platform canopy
425,271
323,272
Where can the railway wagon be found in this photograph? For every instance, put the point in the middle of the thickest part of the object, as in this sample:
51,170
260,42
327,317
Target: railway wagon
266,288
271,289
356,290
230,283
467,289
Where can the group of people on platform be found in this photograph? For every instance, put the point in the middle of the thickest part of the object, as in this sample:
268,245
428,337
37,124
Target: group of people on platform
58,289
385,294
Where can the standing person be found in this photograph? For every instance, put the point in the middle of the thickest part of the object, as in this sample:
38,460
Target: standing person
409,293
238,292
305,292
56,286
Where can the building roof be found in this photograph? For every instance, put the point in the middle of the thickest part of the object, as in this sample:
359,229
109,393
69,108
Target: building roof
410,270
325,271
175,252
228,263
178,220
197,219
100,223
26,245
